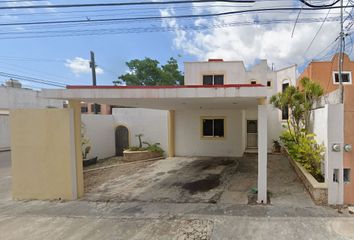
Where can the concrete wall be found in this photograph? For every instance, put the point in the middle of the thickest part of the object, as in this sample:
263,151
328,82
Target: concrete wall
319,125
188,134
16,98
151,123
99,129
4,132
43,154
234,72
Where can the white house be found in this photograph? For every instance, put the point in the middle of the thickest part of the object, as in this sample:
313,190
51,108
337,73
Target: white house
15,98
222,110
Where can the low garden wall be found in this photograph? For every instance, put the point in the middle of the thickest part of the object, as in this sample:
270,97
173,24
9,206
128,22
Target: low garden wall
130,156
318,191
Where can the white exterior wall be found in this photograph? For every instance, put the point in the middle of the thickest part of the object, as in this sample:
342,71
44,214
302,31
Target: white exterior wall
188,137
99,130
234,72
319,125
15,98
151,123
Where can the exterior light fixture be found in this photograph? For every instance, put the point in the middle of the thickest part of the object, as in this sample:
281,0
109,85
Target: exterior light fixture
336,147
348,147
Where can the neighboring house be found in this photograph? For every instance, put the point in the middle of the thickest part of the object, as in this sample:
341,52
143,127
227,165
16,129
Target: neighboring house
222,110
103,109
13,96
326,74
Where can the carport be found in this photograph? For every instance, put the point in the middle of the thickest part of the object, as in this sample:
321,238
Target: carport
170,98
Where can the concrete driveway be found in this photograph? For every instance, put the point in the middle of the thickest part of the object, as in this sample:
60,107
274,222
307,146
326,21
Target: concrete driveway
197,180
286,219
178,180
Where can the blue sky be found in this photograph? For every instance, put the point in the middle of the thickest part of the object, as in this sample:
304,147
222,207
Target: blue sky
47,58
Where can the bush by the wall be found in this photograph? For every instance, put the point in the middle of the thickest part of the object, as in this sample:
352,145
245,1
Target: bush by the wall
306,151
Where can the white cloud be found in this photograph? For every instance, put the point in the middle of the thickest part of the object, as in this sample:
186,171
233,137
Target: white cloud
79,66
250,42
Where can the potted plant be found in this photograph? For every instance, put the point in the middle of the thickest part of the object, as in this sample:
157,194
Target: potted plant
276,146
86,148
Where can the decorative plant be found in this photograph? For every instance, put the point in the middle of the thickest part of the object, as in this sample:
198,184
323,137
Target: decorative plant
306,151
298,139
154,147
85,142
276,146
140,141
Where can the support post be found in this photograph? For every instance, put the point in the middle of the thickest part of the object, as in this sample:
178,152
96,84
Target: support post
171,133
262,151
335,134
76,106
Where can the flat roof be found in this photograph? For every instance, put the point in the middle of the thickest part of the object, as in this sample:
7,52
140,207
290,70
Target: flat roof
165,97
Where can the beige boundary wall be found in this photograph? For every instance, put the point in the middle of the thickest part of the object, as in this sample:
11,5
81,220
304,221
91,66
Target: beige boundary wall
44,155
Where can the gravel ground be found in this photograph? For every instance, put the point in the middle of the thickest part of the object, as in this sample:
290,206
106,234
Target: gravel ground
105,162
93,179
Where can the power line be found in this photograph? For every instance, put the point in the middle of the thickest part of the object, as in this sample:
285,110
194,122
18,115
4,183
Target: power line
109,31
31,79
318,31
121,4
319,6
166,17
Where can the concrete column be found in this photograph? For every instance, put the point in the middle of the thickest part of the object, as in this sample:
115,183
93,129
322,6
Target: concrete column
76,106
171,133
262,152
335,127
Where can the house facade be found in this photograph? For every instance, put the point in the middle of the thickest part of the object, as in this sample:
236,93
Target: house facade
222,110
326,74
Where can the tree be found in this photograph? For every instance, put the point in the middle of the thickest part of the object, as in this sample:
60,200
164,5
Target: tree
300,102
148,72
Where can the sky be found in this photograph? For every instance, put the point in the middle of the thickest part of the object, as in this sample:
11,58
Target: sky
56,53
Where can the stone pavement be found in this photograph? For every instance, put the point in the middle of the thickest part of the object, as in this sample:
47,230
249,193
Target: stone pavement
165,220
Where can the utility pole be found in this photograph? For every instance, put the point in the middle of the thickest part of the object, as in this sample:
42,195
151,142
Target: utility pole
93,68
340,62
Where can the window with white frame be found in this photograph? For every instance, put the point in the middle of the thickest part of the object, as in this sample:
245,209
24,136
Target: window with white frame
213,127
346,78
213,79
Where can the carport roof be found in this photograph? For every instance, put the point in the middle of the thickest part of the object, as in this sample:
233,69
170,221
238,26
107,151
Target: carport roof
229,96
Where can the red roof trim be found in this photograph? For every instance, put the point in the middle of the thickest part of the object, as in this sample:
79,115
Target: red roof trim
216,60
163,87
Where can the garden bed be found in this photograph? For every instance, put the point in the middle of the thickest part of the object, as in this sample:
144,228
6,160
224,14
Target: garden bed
317,190
131,156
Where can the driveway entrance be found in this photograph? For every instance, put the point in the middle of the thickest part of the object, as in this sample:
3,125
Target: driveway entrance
196,180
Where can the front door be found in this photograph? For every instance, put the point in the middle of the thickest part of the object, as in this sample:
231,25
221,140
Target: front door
122,140
252,134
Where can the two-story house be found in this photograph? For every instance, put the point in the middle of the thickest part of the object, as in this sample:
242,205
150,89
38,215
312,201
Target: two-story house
222,110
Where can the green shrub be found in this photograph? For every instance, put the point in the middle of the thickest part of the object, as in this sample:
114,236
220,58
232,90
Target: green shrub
136,148
150,147
155,148
306,151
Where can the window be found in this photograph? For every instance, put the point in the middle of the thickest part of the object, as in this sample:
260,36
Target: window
98,107
285,111
213,127
346,77
84,109
269,83
346,175
213,79
253,82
